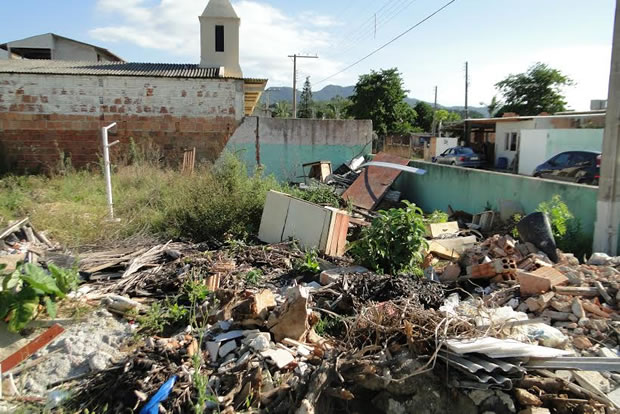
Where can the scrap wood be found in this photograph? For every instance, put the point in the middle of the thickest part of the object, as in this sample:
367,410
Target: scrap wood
576,291
30,348
144,259
318,382
12,228
600,397
114,261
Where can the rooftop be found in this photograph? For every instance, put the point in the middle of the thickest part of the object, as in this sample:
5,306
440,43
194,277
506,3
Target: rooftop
98,48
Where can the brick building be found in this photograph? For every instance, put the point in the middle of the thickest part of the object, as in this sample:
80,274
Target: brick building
50,109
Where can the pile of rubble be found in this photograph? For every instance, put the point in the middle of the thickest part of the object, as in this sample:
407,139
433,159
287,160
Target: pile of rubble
495,325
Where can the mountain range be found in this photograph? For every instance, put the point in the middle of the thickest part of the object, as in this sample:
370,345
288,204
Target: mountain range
285,93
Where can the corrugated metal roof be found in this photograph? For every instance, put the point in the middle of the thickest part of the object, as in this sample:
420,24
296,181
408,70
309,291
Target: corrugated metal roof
58,67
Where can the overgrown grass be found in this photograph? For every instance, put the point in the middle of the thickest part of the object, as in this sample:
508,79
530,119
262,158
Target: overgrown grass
218,201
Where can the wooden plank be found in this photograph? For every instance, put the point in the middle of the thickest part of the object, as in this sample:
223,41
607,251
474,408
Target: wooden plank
32,347
368,189
12,228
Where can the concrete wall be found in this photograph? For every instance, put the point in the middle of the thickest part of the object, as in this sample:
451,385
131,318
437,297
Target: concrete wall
283,145
68,50
43,115
537,146
470,190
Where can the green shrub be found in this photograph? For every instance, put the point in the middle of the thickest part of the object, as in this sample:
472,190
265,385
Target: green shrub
565,227
394,242
437,216
222,202
319,194
558,213
309,264
27,287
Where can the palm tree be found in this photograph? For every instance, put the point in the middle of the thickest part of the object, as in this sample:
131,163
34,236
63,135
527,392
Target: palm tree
282,109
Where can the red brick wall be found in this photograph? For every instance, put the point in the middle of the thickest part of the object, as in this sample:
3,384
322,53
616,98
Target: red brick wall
42,117
33,143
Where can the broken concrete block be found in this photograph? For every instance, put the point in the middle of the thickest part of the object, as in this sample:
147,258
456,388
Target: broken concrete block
592,381
450,273
333,275
99,361
227,348
291,319
577,308
281,357
227,336
260,343
119,303
213,348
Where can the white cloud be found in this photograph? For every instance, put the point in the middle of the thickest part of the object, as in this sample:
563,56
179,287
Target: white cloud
267,35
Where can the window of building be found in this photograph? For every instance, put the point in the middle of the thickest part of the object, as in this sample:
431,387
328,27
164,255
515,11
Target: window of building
513,141
507,142
219,38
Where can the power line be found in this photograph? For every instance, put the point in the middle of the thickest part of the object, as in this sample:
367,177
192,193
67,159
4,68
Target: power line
383,22
364,27
388,43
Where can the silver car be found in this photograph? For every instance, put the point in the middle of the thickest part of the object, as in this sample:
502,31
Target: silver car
460,156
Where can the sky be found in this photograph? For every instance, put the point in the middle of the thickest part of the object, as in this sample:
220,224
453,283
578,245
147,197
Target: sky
496,37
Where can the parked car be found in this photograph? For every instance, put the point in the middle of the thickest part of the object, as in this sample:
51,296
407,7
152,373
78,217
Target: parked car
460,156
582,167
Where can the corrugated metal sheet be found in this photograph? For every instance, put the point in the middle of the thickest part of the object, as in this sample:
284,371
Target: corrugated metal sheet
482,372
57,67
368,189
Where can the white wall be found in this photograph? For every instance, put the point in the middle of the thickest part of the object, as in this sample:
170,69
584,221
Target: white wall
134,95
532,149
502,128
444,143
537,146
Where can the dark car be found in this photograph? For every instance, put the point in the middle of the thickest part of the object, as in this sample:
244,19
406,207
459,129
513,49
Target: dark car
460,156
582,167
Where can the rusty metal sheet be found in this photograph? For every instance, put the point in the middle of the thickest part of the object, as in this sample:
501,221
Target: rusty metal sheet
368,189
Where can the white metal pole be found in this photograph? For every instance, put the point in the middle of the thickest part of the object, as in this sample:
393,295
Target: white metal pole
106,166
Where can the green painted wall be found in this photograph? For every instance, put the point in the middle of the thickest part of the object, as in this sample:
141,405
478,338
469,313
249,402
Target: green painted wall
284,161
561,140
284,145
470,190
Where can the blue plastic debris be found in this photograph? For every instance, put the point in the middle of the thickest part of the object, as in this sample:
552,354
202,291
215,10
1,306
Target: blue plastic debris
152,407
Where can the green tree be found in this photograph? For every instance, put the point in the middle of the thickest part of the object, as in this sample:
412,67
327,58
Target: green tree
281,109
305,101
380,97
335,108
425,116
535,91
443,115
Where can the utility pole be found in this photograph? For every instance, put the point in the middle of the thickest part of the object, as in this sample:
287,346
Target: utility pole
466,89
295,57
466,129
607,224
435,98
